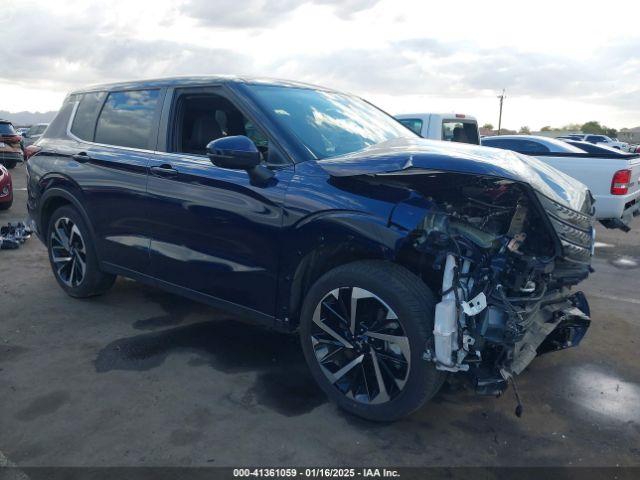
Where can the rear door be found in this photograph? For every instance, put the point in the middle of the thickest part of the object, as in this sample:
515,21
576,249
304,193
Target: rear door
113,156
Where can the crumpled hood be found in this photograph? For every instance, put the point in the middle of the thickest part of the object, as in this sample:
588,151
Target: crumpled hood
403,154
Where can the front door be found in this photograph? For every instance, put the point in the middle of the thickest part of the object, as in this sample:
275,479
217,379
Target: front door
212,231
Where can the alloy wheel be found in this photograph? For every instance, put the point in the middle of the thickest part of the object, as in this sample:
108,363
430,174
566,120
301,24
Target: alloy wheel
68,252
360,345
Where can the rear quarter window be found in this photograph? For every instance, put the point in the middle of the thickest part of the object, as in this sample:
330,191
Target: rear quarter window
128,119
84,123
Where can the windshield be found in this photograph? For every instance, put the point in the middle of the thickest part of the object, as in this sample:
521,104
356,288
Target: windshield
327,123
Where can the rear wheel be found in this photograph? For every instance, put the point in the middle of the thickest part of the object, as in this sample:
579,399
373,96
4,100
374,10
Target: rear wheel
6,205
364,328
72,255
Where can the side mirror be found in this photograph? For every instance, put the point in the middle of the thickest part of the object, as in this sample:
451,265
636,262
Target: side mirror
237,153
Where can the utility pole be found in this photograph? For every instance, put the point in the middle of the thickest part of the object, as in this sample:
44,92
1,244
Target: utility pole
501,97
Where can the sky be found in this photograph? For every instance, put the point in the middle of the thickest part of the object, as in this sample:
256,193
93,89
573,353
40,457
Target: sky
560,61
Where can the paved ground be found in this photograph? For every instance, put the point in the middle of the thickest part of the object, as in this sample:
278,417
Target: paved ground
140,377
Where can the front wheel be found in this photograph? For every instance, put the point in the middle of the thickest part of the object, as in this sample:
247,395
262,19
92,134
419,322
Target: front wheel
72,255
364,328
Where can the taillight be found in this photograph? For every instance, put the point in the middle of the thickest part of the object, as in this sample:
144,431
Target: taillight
30,151
620,182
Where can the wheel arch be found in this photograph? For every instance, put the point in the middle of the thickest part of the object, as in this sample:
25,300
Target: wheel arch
58,196
325,242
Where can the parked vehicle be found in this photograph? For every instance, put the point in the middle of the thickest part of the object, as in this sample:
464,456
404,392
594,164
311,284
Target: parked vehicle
596,149
10,145
571,136
34,133
6,189
314,212
612,180
449,127
604,140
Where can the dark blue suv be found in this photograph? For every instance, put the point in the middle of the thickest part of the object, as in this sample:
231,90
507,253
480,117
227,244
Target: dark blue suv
396,259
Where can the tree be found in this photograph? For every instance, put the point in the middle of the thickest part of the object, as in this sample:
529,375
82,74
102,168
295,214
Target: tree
488,126
593,127
572,127
526,130
610,132
546,128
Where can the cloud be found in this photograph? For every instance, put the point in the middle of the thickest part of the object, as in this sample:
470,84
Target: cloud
104,42
58,55
262,13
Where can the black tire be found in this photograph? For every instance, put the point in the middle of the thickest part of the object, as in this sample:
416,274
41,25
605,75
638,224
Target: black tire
6,205
93,281
10,164
413,304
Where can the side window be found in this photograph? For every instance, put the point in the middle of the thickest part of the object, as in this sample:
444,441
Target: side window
497,143
203,117
413,124
127,119
528,146
256,135
84,123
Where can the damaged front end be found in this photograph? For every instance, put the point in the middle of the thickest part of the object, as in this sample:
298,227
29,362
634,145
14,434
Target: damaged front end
503,257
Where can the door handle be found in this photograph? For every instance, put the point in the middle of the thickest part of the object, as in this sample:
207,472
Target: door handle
164,170
81,157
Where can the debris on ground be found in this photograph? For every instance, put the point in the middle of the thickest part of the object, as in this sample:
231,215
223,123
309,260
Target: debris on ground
14,235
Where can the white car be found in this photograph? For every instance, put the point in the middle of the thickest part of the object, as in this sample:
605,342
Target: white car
608,141
450,127
614,180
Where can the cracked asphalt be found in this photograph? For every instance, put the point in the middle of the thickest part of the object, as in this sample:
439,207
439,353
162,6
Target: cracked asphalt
142,377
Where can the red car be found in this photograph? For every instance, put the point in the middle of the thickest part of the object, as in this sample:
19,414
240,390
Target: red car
6,189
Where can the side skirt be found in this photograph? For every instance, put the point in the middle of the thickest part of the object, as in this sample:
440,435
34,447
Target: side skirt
233,308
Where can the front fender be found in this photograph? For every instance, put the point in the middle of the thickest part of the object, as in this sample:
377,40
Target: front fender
323,241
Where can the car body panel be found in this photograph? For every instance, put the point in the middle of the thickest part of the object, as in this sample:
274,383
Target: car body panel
214,232
5,183
403,154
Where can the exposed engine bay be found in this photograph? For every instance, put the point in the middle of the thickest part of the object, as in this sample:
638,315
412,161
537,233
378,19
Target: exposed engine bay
502,258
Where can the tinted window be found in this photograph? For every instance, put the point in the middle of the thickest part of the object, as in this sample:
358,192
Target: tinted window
498,143
593,148
596,138
84,122
521,146
127,119
527,146
327,123
6,129
413,124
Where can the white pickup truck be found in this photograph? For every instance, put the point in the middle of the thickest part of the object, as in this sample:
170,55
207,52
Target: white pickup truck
612,178
450,127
